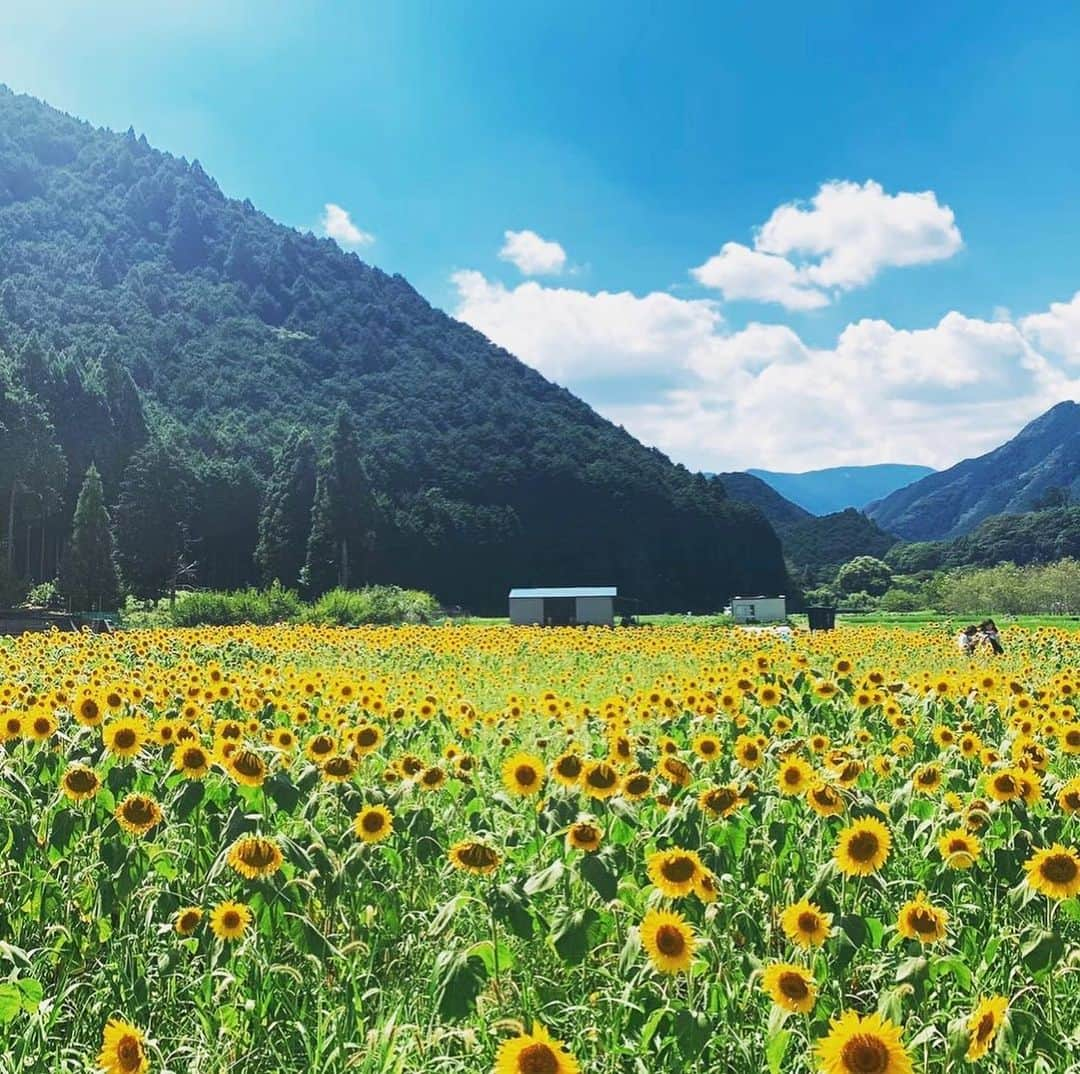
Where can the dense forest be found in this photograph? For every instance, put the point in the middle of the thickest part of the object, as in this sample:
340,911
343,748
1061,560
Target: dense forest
242,386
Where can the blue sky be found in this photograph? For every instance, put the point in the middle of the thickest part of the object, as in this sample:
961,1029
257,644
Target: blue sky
880,204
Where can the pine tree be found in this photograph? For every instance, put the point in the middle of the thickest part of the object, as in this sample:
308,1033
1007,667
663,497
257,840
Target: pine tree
88,576
285,519
343,516
151,520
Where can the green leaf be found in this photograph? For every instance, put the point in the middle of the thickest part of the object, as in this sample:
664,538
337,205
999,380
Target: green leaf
571,935
692,1032
11,1001
63,827
546,879
486,951
194,792
32,993
459,977
912,969
776,1049
441,922
1042,950
599,877
511,908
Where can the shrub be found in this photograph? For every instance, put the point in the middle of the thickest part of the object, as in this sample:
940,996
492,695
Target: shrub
900,600
258,606
374,604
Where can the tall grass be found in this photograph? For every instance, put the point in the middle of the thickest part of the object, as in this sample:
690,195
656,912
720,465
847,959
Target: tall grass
339,607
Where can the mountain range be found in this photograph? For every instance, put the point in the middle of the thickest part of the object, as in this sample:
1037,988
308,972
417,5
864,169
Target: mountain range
139,304
823,492
1042,460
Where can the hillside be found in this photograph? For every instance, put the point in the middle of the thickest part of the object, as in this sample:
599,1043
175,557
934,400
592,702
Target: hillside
752,490
140,305
1043,457
830,540
823,492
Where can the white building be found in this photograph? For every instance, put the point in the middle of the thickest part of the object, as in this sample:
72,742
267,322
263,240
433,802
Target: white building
758,609
563,606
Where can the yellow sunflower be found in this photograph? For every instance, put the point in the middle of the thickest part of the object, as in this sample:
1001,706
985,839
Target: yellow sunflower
926,779
246,767
1055,872
791,987
863,847
635,786
255,857
1069,797
959,849
674,871
138,813
123,1050
523,774
79,782
584,835
858,1045
984,1023
192,761
187,920
535,1053
668,940
600,780
230,920
919,920
825,800
805,924
795,776
474,857
373,824
720,801
707,747
567,769
125,737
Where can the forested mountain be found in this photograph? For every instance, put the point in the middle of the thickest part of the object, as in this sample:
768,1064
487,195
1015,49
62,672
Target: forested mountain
823,492
1042,460
829,540
178,339
749,489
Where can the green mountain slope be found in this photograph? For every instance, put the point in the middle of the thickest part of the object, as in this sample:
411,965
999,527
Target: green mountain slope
130,282
830,540
823,492
749,489
1043,456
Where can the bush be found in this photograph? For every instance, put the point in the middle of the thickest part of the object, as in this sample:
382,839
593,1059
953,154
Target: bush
258,606
864,574
900,600
44,595
374,604
339,607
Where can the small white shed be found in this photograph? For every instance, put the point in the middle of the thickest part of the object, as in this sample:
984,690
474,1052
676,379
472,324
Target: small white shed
759,609
564,606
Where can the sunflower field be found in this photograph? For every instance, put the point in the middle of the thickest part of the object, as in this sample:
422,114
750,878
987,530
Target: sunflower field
523,851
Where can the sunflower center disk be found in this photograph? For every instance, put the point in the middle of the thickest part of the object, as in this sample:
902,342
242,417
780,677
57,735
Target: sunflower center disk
670,940
865,1054
1060,869
863,846
537,1058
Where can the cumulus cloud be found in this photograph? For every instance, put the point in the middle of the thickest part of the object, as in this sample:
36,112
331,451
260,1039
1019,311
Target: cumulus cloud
338,225
741,273
763,396
532,255
841,240
574,335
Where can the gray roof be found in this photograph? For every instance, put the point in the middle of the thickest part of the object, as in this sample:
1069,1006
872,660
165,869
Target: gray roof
567,591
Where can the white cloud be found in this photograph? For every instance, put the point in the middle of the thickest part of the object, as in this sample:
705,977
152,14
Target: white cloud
1058,330
762,396
337,224
576,335
741,273
533,255
847,234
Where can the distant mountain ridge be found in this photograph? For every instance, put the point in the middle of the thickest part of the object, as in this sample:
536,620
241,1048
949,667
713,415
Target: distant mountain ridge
825,492
1011,479
779,511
